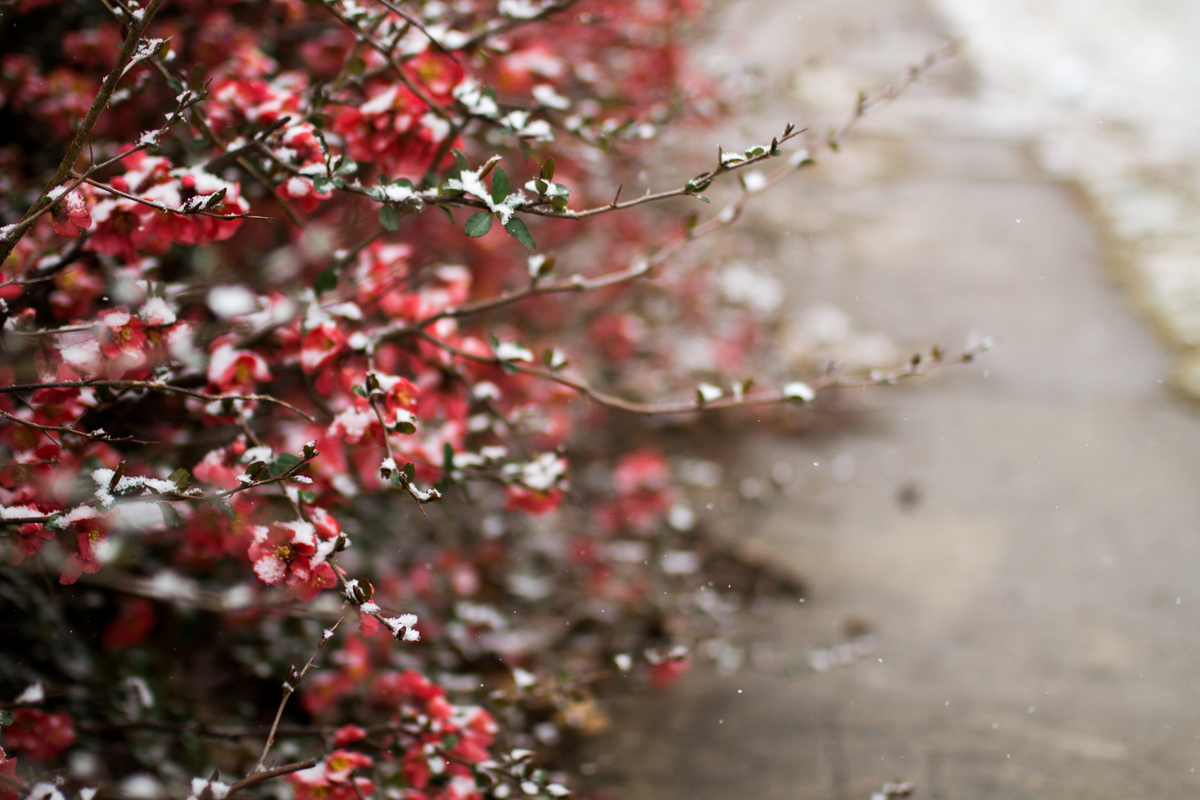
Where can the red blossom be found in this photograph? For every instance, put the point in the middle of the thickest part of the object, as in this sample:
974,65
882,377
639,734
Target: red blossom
287,554
520,498
321,345
39,735
132,626
91,531
8,768
236,371
70,217
348,734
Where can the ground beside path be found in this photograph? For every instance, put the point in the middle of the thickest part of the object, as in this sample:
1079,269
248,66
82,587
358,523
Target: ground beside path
1021,535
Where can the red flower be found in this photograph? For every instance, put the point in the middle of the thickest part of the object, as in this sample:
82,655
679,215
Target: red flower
232,370
287,554
330,780
40,735
348,734
122,334
133,624
8,768
530,500
91,531
340,764
321,345
70,217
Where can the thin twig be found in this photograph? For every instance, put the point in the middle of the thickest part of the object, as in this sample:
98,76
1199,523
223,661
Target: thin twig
289,687
153,387
913,368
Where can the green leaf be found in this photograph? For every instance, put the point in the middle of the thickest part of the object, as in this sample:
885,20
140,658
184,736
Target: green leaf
461,160
180,478
446,211
548,169
408,471
215,199
356,66
308,496
541,185
406,183
326,281
478,224
701,197
346,166
225,507
499,186
516,228
5,717
170,516
323,184
282,463
389,218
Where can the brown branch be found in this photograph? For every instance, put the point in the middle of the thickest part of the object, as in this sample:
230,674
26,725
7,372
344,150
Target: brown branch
153,387
92,437
289,687
916,367
159,206
258,777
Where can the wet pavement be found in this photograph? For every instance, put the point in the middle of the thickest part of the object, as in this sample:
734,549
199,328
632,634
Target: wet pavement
1020,535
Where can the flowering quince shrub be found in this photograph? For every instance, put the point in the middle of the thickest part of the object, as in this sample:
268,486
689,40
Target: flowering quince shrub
323,327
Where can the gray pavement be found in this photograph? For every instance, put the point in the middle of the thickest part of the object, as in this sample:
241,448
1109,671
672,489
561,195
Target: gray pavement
1020,534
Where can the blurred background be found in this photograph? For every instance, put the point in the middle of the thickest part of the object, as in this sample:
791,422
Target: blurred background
1001,561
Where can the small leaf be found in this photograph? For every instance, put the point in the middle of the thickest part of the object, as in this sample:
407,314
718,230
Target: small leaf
541,186
408,471
446,211
5,717
326,281
478,224
282,463
356,66
308,496
461,160
516,228
548,169
499,186
701,197
215,199
324,185
389,218
226,508
117,475
180,478
170,516
346,166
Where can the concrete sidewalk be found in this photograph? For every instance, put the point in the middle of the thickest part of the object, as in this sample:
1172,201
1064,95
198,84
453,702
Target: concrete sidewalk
1020,534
